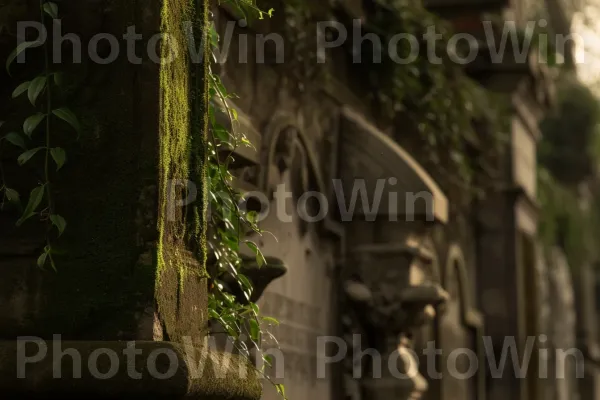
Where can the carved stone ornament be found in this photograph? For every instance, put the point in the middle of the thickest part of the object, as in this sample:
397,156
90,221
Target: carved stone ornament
389,304
259,275
290,162
381,290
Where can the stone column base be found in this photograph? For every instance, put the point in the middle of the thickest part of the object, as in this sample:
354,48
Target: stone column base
36,369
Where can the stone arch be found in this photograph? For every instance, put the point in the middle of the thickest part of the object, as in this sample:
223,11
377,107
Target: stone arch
287,150
466,326
456,268
303,299
278,125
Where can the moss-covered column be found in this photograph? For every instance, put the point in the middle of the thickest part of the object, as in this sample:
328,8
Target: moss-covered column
131,269
183,127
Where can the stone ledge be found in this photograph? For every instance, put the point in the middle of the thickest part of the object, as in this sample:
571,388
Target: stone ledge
158,370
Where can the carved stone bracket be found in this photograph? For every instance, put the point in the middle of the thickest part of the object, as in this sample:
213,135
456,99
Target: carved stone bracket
259,275
383,286
391,304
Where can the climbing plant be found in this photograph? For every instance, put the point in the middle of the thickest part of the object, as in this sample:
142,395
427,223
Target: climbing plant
229,224
37,136
566,222
437,101
438,98
570,134
569,158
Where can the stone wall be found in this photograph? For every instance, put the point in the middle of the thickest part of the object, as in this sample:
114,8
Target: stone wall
119,108
272,100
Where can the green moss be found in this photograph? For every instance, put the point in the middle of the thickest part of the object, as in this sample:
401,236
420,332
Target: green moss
175,138
181,248
114,267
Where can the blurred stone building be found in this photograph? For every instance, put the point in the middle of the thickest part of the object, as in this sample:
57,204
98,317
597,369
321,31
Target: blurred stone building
470,278
423,264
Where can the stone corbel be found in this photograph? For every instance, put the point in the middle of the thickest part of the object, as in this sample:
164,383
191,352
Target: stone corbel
414,306
392,305
420,302
389,290
260,276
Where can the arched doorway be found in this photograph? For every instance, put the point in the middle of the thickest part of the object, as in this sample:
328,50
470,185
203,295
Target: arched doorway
459,329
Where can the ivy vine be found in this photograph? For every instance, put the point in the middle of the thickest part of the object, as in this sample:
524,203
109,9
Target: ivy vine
438,101
36,139
229,225
441,102
568,160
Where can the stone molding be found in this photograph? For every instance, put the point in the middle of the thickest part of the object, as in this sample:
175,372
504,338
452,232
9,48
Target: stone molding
201,373
371,155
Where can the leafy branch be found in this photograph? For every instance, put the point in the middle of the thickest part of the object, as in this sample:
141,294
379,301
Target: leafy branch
229,224
39,92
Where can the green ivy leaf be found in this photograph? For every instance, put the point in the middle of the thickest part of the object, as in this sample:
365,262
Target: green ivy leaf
69,117
260,259
12,195
213,313
59,222
26,156
16,139
254,330
281,390
35,88
252,217
254,308
22,88
59,156
252,246
32,122
245,284
51,9
41,261
18,50
268,359
35,198
52,264
270,320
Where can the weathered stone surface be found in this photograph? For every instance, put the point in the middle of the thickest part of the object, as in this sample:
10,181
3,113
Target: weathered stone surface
128,269
109,275
112,371
562,325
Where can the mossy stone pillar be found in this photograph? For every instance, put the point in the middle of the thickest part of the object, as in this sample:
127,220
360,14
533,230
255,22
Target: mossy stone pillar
131,266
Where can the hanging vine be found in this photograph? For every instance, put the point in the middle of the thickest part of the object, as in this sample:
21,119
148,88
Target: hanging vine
438,101
229,224
36,138
568,163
